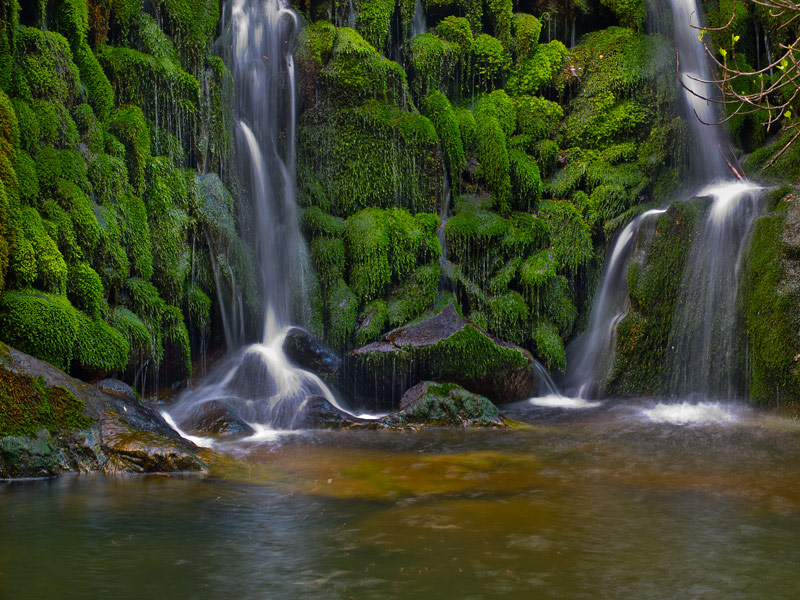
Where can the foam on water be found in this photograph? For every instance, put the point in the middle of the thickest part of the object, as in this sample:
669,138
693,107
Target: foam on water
265,433
689,414
558,401
203,442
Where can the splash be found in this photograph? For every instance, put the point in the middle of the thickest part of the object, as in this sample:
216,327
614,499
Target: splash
689,414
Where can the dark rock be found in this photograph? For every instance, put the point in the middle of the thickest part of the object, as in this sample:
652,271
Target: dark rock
116,388
253,379
448,348
120,433
306,351
216,416
317,413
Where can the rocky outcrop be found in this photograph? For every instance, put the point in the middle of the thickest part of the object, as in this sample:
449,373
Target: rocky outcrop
52,422
445,348
307,352
433,404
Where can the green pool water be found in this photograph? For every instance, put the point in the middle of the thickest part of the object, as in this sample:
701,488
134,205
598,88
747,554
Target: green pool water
599,503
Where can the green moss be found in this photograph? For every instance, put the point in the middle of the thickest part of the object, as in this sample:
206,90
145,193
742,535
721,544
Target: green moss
129,126
431,59
549,347
571,241
526,182
372,322
50,273
526,35
366,237
373,155
177,349
467,128
493,155
28,404
29,128
492,62
341,308
769,299
474,241
46,62
328,256
136,334
408,300
76,204
502,13
40,324
99,348
85,291
631,13
533,75
508,316
374,18
110,260
56,127
317,223
448,405
536,272
556,305
537,117
654,279
28,182
198,308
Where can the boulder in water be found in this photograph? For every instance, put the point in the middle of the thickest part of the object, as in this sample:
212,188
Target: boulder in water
52,422
216,417
307,352
431,403
446,348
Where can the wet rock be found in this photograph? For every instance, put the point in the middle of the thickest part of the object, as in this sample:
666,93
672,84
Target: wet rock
253,379
317,413
89,429
217,417
307,352
448,348
28,457
442,405
116,388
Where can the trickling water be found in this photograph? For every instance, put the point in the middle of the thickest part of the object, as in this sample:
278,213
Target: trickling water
258,385
590,356
702,354
418,25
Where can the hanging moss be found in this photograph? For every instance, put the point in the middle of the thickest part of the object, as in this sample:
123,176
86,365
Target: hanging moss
366,237
631,13
85,291
373,155
533,75
431,60
493,155
537,117
99,348
50,273
135,333
549,347
110,260
341,308
526,182
75,203
492,62
408,300
47,65
556,305
526,35
56,127
508,316
129,126
458,42
526,232
374,18
39,324
328,257
316,222
571,242
474,241
372,322
177,349
536,273
29,127
467,128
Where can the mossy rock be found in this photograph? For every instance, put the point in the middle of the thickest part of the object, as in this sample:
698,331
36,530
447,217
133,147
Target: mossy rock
433,404
770,303
445,347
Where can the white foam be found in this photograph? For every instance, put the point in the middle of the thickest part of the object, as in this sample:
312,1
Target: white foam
203,442
689,414
727,196
558,401
265,433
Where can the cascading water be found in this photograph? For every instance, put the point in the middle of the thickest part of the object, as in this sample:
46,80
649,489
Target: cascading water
418,25
259,385
589,358
701,356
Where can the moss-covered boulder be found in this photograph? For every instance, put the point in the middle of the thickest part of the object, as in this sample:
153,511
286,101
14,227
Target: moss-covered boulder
445,348
654,277
50,422
443,405
770,304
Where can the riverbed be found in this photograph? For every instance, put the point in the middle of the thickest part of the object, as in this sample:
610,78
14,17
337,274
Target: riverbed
618,500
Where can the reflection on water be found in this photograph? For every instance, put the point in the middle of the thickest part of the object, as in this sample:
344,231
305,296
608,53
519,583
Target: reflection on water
602,503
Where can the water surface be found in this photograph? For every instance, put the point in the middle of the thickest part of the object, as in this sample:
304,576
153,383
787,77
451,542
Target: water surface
618,501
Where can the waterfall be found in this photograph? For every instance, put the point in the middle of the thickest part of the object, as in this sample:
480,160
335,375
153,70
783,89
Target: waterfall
258,385
590,356
418,25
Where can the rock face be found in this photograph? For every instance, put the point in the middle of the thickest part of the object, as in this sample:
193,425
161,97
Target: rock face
52,422
769,296
306,351
444,348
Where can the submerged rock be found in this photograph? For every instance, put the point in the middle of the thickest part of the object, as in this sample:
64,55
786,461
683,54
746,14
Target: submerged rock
448,348
306,351
431,403
51,422
216,417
